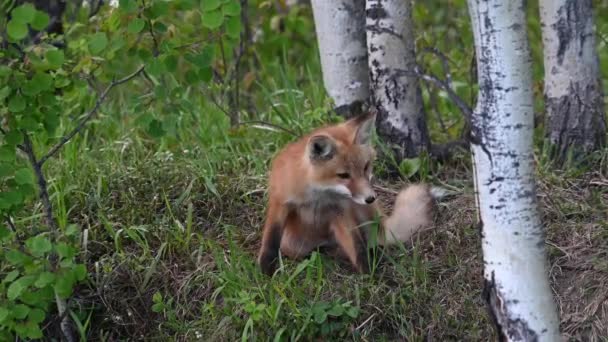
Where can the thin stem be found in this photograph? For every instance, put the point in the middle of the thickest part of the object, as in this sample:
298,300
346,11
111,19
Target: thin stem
66,138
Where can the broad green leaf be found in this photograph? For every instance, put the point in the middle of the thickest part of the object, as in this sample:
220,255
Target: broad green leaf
18,286
205,74
4,233
12,197
4,70
4,312
5,92
210,5
98,42
36,315
16,104
39,245
7,153
213,19
128,5
43,81
159,8
24,176
80,272
16,30
232,8
44,279
65,251
55,58
24,13
171,62
15,257
136,25
13,137
63,286
33,331
233,27
409,167
40,21
336,310
20,311
155,129
12,275
203,59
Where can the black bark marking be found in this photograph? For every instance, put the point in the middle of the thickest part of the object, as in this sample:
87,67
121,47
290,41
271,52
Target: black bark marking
376,12
506,326
570,27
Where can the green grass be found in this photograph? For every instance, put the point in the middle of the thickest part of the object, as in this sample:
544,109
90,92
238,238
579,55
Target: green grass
172,228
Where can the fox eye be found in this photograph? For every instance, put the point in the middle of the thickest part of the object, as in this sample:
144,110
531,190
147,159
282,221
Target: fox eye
366,167
344,175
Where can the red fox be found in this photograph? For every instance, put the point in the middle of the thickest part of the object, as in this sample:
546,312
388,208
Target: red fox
320,194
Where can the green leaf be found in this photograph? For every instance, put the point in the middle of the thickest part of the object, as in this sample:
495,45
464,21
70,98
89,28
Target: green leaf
44,279
232,8
205,74
16,258
12,275
203,59
33,330
13,138
63,286
128,5
24,176
20,311
136,25
210,5
16,104
16,30
155,129
7,153
5,92
12,197
36,315
4,233
43,80
18,286
336,310
171,62
39,245
55,58
158,9
233,27
320,316
353,312
6,169
40,21
24,13
4,312
409,167
65,251
80,272
213,20
98,42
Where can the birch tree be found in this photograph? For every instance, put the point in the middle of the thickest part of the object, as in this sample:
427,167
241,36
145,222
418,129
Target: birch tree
396,96
516,285
573,90
340,29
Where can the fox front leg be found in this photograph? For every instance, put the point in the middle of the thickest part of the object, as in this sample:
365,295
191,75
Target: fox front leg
271,237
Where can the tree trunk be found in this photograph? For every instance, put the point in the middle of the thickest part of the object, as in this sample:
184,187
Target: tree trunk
516,287
340,28
397,98
573,90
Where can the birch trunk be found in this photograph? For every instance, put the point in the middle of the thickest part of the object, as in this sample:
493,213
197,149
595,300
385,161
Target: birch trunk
516,286
340,28
573,90
398,99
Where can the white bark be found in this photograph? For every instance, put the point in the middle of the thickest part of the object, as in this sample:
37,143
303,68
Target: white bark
573,90
340,28
390,46
515,268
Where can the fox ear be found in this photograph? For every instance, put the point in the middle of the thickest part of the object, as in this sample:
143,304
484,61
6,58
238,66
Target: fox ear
321,147
366,124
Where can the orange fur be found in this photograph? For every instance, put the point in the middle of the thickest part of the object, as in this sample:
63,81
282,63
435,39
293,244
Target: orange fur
320,194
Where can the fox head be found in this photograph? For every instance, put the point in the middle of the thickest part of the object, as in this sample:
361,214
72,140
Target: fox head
341,159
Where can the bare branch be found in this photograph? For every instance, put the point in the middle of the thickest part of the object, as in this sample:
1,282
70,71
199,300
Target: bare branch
443,85
66,138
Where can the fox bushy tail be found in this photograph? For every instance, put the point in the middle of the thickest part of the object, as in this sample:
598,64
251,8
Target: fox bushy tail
412,212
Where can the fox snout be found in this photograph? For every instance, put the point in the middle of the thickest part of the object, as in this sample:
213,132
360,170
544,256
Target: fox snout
363,193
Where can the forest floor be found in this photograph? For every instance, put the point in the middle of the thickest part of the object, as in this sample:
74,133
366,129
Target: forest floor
168,257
